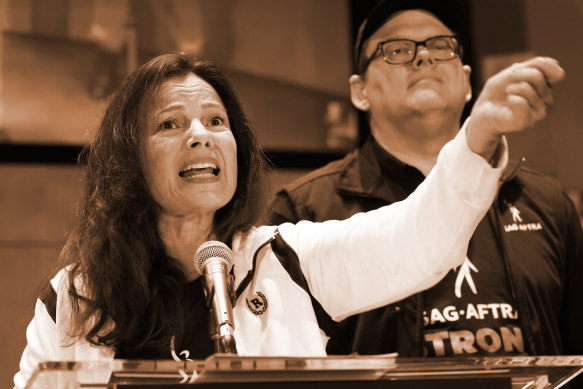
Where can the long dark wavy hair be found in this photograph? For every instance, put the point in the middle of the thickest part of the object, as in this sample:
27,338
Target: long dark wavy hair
114,246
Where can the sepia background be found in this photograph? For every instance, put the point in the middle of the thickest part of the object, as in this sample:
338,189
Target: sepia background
288,60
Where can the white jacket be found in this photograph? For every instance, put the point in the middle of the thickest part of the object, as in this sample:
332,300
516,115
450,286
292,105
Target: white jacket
351,266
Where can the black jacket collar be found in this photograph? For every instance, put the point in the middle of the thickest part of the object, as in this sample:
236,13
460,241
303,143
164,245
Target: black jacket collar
364,173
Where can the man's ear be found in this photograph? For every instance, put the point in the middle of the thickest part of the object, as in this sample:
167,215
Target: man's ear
358,92
467,71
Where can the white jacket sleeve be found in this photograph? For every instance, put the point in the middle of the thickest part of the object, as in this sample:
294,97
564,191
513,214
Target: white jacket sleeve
41,337
379,257
48,339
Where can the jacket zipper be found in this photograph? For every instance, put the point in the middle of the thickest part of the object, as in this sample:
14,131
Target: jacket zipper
494,216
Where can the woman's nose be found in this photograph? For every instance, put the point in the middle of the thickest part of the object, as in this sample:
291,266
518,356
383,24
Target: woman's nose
198,135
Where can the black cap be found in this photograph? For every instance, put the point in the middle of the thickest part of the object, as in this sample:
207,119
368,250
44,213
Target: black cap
450,12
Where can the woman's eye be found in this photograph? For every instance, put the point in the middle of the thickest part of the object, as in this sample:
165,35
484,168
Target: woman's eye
217,121
167,125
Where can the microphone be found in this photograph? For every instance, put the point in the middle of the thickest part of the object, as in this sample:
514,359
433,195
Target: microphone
213,260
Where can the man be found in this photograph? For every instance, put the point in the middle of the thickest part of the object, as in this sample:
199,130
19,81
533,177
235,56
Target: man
518,290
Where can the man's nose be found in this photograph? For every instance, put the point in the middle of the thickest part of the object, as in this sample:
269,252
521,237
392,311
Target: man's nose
423,57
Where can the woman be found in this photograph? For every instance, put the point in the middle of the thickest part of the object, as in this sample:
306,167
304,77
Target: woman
175,164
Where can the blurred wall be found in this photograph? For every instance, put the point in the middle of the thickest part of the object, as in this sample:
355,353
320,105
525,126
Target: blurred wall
286,78
61,61
511,30
36,206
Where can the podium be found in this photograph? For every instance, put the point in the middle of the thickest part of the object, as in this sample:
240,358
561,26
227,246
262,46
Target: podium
225,371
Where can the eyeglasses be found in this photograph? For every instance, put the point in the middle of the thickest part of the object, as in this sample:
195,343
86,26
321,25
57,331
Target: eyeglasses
404,51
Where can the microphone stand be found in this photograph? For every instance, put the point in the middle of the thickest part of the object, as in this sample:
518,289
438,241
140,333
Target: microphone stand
222,334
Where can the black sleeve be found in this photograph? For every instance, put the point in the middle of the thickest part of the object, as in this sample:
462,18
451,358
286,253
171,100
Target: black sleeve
282,209
571,319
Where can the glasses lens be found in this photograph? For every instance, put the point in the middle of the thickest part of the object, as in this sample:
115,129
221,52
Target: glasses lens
398,51
443,48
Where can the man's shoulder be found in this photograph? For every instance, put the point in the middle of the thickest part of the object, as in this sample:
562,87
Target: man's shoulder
533,179
326,175
537,187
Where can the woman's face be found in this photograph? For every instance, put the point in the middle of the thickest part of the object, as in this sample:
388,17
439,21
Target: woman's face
189,152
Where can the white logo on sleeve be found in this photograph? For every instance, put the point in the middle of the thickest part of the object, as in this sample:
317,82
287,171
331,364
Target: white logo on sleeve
518,224
515,213
465,274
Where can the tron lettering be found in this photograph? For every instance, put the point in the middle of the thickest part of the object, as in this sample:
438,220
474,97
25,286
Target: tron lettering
485,339
437,339
512,339
488,340
462,341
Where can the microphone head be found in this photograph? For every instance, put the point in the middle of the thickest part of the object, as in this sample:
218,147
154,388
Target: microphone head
213,249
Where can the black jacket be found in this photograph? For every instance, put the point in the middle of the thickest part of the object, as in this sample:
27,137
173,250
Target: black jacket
544,260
